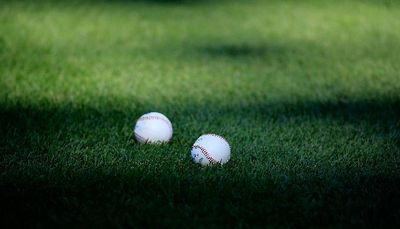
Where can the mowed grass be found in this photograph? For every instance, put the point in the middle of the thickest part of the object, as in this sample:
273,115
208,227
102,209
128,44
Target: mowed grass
307,94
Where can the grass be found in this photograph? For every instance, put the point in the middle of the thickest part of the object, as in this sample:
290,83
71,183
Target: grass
307,93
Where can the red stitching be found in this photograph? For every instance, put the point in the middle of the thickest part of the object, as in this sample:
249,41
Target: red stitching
222,138
206,154
140,137
157,118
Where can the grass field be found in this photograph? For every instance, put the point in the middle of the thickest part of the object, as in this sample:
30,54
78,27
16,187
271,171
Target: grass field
307,94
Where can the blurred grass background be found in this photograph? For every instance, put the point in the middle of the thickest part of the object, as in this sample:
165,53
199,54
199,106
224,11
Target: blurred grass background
307,94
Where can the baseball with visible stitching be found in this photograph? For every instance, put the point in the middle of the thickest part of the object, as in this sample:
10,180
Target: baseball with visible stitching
210,149
153,128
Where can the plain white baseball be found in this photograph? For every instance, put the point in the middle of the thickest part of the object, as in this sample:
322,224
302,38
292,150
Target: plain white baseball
211,149
153,128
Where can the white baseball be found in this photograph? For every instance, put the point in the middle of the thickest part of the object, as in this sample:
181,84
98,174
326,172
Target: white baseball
211,149
153,128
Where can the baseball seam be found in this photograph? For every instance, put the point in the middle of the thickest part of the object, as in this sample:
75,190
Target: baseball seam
220,137
156,118
144,140
206,154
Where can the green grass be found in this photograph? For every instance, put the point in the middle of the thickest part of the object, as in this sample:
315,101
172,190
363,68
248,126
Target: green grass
307,94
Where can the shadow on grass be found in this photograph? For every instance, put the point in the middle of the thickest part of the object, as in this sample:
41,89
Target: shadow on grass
99,199
382,115
298,51
244,50
273,53
182,194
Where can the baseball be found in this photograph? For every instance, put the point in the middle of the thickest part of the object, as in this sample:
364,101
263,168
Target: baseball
153,128
211,149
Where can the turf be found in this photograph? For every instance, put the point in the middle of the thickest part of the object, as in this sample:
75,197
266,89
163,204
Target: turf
307,94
